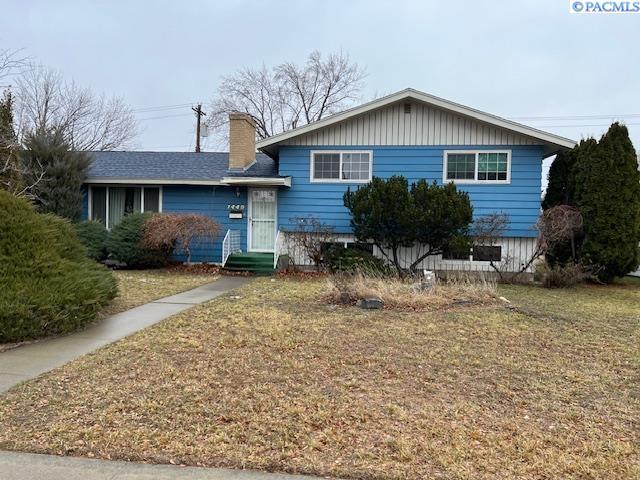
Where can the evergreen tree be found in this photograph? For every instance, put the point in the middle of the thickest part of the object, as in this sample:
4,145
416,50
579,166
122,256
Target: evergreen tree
63,171
381,212
560,181
10,171
607,192
392,215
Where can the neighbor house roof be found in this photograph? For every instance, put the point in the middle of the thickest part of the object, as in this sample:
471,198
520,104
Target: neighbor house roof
205,168
550,140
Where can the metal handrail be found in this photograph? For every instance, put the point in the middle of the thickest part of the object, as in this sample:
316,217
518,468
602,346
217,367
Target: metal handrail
276,250
230,245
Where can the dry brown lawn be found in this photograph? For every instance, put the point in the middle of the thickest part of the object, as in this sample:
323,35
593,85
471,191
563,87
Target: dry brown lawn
137,287
277,380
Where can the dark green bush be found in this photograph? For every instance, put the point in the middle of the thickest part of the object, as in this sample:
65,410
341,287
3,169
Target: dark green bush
352,260
125,244
49,285
93,236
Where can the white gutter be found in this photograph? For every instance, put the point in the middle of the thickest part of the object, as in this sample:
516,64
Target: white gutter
150,181
271,182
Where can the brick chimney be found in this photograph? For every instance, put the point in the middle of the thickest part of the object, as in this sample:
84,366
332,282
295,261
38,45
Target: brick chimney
242,141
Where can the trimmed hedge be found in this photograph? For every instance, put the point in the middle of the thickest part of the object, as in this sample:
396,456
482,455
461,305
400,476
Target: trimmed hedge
93,236
125,244
49,285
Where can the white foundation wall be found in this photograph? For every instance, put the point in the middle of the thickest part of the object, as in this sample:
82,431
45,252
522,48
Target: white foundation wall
516,252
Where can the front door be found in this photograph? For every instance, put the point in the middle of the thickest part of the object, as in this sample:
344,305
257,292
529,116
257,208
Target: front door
262,219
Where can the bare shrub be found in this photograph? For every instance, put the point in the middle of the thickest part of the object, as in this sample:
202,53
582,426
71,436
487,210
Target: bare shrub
561,224
568,275
408,293
311,235
178,231
555,226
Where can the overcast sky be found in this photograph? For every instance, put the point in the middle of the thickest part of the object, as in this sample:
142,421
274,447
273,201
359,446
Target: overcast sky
510,58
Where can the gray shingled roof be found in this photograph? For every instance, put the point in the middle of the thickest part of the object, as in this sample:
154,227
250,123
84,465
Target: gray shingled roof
173,166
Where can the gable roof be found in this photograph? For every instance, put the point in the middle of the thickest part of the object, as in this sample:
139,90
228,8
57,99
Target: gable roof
552,142
172,167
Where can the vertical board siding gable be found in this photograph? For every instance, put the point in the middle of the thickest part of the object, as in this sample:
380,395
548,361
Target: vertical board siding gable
425,125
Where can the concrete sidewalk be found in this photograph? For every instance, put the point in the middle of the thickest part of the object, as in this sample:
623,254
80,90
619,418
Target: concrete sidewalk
29,361
30,466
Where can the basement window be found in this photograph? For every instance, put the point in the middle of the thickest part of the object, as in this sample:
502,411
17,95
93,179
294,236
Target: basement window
336,167
487,253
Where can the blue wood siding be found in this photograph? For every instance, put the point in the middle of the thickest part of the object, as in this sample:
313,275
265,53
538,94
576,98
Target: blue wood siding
520,199
210,201
85,203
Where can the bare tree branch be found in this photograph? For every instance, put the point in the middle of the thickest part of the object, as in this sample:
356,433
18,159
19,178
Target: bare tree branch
288,95
11,63
45,101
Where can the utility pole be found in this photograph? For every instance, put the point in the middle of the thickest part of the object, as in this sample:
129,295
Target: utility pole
199,114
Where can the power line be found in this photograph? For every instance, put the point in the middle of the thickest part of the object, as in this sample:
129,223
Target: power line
585,125
161,107
166,116
577,117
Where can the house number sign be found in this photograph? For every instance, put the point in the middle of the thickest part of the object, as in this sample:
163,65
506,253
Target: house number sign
235,210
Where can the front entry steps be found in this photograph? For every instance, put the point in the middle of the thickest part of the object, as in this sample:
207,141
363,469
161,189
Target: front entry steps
252,262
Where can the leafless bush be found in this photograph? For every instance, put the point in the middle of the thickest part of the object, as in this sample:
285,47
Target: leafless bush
409,293
568,275
310,235
561,224
178,231
555,225
489,228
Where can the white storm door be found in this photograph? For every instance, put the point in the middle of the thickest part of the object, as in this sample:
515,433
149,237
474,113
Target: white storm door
262,220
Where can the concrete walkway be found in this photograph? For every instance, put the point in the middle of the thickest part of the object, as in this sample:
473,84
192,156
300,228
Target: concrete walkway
29,361
29,466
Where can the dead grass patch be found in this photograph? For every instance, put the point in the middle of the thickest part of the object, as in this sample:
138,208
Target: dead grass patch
137,287
409,293
271,378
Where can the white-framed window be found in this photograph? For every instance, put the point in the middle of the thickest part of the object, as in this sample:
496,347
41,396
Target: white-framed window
349,166
477,166
108,204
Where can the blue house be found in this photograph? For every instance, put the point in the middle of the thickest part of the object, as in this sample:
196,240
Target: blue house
258,191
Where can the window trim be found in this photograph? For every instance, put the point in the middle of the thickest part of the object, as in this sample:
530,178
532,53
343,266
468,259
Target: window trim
312,154
475,180
141,186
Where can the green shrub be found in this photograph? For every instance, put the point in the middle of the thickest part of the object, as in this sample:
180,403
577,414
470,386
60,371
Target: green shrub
93,236
49,285
125,244
352,260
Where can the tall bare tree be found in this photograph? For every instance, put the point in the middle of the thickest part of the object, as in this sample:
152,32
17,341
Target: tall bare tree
288,95
11,62
47,102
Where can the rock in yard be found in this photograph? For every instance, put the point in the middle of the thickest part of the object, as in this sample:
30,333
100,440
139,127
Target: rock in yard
370,303
462,301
